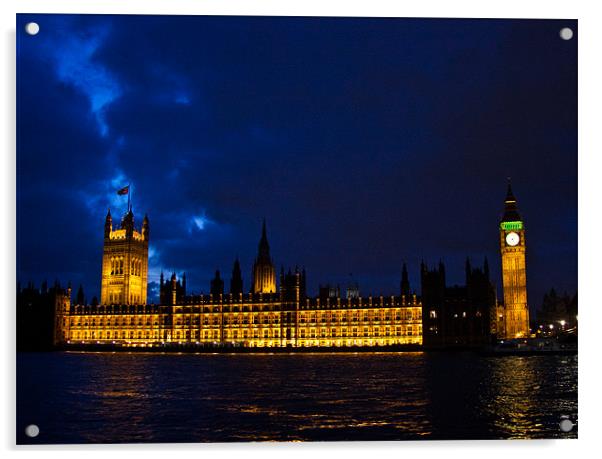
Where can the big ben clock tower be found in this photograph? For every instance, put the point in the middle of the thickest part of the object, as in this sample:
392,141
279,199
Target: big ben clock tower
514,275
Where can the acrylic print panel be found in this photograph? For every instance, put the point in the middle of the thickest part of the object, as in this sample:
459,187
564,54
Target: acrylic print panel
273,228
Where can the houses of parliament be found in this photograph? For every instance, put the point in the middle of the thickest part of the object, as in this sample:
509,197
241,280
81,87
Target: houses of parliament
276,311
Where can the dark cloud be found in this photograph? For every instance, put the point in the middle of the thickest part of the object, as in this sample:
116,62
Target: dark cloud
364,142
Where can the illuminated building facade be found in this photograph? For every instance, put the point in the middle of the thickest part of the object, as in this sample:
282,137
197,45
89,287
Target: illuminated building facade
263,318
514,322
124,262
255,320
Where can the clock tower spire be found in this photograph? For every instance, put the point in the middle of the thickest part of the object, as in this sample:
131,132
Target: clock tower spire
514,274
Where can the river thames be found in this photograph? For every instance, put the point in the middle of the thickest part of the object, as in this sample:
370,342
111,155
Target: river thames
140,397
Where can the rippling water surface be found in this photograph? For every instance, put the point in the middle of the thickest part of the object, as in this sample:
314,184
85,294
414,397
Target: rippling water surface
120,397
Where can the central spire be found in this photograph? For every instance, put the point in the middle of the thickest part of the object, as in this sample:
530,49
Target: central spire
264,275
264,247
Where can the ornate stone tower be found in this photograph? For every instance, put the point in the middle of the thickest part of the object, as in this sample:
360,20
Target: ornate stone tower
264,274
514,275
125,262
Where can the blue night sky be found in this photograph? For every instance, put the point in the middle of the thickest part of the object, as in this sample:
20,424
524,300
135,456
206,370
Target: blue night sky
363,142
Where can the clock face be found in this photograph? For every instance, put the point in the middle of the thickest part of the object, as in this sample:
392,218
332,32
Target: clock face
512,239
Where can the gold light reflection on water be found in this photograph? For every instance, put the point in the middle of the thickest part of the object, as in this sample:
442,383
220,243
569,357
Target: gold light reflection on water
515,397
141,397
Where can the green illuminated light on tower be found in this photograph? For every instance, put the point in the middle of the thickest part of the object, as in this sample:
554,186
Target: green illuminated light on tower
511,226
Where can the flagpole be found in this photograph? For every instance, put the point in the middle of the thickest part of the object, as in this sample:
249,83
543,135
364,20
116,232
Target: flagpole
129,199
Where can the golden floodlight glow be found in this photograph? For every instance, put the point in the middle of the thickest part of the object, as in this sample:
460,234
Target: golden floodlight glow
266,318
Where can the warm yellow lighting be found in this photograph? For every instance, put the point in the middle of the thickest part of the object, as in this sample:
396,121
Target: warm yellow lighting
514,282
124,266
370,324
264,319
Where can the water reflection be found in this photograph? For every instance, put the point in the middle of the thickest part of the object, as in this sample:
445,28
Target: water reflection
200,398
520,391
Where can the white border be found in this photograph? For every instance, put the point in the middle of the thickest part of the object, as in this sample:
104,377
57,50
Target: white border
590,209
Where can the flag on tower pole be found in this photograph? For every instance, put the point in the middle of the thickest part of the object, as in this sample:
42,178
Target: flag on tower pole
125,190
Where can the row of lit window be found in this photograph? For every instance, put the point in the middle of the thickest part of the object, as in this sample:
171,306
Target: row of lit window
206,321
242,334
131,334
356,317
355,332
